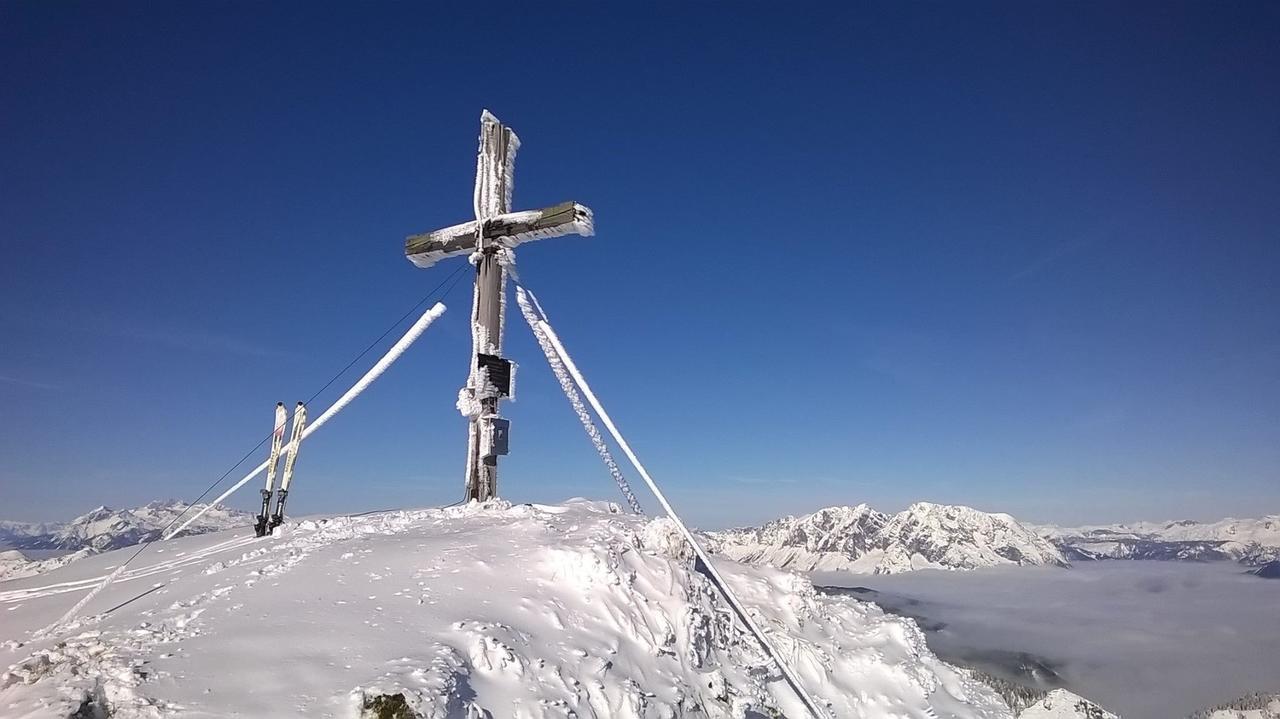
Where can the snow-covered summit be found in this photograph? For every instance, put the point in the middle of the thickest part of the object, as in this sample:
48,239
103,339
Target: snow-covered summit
1062,704
860,539
826,539
480,610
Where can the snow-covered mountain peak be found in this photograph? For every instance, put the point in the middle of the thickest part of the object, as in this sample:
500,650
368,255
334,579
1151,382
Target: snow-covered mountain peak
104,528
861,539
956,515
1062,704
481,610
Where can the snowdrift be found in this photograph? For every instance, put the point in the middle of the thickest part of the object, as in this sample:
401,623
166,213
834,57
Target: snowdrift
478,611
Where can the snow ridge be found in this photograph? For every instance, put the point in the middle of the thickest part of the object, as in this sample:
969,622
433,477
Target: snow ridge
860,539
1062,704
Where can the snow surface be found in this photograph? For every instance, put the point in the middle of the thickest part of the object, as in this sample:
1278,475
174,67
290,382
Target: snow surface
15,564
1062,704
480,610
860,539
1267,708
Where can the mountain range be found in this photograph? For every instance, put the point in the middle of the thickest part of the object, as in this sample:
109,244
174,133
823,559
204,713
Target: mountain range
861,539
1252,542
25,547
926,535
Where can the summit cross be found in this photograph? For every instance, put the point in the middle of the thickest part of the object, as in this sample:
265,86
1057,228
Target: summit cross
488,241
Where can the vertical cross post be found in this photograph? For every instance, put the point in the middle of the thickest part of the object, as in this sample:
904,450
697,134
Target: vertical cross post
489,241
494,163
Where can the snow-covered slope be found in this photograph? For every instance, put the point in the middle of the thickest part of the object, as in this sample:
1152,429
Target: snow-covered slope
1249,541
496,611
105,528
860,539
1254,706
1062,704
15,564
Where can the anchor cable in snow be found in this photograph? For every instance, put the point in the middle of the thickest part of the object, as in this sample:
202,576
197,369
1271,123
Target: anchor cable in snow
532,314
718,581
451,280
391,356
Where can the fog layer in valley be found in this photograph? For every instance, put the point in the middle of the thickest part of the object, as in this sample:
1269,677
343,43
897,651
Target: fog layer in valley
1148,640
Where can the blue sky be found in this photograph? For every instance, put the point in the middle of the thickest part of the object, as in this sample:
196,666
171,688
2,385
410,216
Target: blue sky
1019,256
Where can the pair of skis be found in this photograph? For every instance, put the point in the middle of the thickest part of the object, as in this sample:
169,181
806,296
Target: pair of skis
267,521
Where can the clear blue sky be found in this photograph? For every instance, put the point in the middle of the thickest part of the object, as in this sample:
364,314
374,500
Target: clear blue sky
1019,256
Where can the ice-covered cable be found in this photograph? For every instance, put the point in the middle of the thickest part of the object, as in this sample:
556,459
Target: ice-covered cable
571,392
718,580
391,356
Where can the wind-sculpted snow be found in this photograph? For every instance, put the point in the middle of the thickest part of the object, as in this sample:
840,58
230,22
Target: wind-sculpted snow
482,610
860,539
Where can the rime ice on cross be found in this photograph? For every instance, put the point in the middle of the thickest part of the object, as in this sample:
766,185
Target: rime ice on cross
488,241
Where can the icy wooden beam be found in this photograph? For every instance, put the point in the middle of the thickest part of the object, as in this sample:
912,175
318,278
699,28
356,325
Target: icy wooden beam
508,230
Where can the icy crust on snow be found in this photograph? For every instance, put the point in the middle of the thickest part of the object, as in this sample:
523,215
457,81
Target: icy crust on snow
477,611
860,539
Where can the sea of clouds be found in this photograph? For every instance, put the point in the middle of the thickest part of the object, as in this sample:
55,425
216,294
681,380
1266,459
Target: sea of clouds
1148,640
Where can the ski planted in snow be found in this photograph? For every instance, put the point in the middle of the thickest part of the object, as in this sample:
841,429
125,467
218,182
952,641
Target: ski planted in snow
291,457
277,439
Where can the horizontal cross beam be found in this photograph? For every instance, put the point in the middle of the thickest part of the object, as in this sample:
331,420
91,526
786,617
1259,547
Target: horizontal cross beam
508,230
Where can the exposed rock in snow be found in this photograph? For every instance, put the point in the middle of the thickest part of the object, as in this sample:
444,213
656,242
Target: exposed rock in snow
1270,570
1248,541
860,539
482,610
1062,704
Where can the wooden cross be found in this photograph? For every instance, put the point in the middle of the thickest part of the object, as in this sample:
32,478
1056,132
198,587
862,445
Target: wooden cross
488,241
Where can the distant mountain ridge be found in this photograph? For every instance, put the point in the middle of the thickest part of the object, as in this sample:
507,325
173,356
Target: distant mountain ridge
1252,542
100,530
861,539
